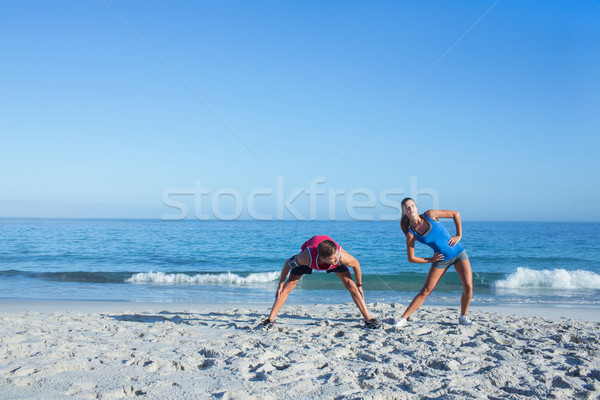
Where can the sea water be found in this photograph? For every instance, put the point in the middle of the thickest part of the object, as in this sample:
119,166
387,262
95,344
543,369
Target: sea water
240,261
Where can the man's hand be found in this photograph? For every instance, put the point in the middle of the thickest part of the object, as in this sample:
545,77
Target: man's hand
278,293
360,290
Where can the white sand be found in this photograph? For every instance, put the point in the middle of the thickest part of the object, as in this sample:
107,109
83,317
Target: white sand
168,351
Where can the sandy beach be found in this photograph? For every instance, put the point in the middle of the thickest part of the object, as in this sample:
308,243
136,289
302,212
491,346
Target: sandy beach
170,351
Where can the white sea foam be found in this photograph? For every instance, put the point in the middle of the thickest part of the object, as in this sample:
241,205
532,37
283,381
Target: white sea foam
203,279
524,278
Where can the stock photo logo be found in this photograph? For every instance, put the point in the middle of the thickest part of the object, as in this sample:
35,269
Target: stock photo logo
313,202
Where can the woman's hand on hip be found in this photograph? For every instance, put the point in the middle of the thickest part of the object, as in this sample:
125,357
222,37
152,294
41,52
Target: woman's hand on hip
453,240
437,257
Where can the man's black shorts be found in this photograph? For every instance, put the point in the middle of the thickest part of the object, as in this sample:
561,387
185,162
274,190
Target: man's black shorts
304,270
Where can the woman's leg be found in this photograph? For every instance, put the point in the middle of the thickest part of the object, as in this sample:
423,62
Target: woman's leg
287,288
433,277
349,284
463,268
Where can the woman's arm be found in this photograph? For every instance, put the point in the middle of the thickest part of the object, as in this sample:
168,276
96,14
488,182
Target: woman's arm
455,215
410,252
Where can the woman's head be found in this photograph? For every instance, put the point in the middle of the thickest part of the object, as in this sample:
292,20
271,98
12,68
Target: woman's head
409,207
409,210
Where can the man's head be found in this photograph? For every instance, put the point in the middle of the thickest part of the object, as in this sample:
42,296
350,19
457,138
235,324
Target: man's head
328,252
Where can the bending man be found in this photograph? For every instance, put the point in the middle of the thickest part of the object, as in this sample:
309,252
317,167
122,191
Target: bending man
320,253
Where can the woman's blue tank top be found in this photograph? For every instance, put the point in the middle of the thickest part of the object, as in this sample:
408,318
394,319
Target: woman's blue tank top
437,237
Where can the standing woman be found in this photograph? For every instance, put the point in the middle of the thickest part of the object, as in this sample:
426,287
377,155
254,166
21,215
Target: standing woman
427,229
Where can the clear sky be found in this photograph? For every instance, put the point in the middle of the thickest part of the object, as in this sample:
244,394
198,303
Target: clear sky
108,109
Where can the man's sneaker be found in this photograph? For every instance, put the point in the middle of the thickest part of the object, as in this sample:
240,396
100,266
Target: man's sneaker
464,320
372,324
267,324
401,322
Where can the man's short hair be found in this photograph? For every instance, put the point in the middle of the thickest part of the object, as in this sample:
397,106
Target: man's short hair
327,248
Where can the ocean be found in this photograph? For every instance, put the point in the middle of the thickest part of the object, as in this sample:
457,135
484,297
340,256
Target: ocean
240,261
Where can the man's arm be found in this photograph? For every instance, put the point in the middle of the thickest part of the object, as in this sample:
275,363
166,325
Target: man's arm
349,260
284,273
302,260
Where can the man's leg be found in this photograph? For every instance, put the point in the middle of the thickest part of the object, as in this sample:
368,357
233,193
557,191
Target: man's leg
349,284
285,291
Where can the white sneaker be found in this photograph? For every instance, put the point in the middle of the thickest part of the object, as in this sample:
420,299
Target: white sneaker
401,322
464,320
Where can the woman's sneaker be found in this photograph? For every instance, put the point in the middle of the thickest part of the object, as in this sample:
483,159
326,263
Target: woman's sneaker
464,320
372,324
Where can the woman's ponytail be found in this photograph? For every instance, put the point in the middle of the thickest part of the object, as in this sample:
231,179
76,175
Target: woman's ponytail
404,224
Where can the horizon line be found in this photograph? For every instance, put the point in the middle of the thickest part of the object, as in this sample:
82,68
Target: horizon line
255,220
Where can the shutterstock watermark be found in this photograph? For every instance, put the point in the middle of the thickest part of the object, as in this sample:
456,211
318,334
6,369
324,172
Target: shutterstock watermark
301,203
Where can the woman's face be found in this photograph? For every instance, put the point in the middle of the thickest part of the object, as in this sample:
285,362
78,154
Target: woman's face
410,209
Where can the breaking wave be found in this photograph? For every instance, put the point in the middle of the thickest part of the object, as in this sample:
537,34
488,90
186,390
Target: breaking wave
524,278
203,279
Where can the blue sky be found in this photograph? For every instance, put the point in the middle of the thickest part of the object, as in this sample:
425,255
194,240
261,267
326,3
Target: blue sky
240,97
